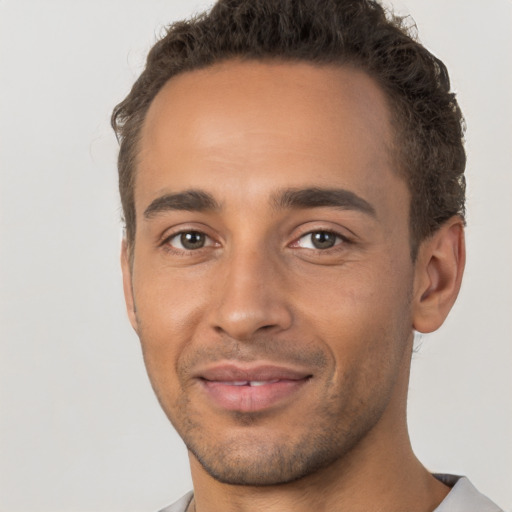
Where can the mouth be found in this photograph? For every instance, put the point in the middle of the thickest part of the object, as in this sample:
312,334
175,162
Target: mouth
248,382
251,389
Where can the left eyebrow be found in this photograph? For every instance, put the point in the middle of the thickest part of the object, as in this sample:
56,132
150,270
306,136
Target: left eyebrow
316,197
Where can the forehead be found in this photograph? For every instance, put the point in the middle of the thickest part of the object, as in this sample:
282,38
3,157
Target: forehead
247,125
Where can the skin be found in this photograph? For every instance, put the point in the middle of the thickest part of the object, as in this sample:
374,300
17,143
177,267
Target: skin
259,291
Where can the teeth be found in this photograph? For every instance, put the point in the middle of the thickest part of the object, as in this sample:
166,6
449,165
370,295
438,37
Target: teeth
235,383
249,382
261,382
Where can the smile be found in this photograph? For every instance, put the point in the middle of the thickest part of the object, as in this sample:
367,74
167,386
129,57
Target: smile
255,389
250,382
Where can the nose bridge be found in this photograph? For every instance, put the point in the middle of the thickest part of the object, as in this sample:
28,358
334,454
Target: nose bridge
251,292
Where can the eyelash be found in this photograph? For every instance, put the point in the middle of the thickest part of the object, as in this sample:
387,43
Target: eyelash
342,240
165,244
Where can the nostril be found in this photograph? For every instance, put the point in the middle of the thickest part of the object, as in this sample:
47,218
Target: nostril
244,331
242,315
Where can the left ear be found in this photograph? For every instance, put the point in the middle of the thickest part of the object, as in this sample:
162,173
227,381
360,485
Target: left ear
438,275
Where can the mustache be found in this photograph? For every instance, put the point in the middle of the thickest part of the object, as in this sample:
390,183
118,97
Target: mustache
277,352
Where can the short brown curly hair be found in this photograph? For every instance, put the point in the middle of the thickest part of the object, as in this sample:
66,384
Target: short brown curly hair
428,123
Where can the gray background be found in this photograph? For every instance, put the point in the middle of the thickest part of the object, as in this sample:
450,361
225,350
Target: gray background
80,429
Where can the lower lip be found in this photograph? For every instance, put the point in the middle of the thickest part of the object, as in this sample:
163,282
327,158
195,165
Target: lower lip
251,398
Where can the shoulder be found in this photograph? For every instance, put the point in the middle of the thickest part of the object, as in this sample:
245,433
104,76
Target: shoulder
180,505
464,497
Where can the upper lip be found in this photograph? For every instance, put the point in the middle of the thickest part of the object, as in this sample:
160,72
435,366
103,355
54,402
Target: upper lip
260,372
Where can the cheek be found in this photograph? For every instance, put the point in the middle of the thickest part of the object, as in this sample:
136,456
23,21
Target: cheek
168,312
167,304
361,314
366,331
377,293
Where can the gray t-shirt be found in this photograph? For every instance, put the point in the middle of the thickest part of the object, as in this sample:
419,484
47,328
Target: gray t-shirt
462,498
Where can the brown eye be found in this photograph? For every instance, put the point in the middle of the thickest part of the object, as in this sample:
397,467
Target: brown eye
323,239
192,240
319,240
189,240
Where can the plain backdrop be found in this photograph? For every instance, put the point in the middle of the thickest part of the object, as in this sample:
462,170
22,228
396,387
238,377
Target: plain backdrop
80,429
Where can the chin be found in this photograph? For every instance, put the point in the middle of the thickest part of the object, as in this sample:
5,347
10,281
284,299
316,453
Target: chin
252,461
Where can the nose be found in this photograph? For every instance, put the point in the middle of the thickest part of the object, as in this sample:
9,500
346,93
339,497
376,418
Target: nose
251,297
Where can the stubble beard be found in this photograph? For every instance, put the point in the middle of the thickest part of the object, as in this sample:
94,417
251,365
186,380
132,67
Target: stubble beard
251,453
252,459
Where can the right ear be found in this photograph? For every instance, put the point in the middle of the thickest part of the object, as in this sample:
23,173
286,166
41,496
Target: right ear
126,268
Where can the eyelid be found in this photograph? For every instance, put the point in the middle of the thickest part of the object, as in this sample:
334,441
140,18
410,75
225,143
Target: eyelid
342,239
208,240
171,234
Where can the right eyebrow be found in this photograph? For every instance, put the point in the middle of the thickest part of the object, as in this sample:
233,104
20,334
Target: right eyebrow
192,200
317,197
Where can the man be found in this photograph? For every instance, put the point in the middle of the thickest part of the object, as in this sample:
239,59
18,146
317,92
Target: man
291,175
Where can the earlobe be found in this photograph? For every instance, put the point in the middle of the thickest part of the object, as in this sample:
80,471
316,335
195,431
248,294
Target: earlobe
127,284
438,275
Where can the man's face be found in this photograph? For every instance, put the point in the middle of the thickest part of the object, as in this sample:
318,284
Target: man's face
271,275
